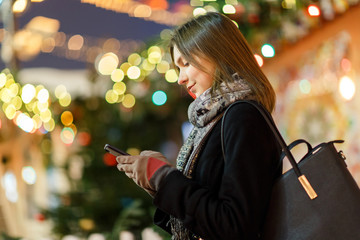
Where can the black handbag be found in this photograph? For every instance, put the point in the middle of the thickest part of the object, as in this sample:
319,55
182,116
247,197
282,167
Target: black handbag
318,199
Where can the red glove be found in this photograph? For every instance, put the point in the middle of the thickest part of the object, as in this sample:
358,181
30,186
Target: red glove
146,170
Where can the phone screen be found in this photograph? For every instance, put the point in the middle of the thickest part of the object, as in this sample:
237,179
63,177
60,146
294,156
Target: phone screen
114,151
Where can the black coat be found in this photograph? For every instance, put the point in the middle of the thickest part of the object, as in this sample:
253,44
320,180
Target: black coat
225,199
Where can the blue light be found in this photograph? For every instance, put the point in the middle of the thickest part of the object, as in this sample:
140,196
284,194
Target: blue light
159,98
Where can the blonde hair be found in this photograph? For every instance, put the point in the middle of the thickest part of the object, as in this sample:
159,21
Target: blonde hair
215,37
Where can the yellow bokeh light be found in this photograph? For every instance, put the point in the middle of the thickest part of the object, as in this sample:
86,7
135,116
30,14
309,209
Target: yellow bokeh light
2,79
120,98
10,111
199,11
67,118
43,95
154,49
125,66
146,65
163,67
128,101
37,121
111,96
154,57
41,106
108,63
17,102
119,88
14,89
28,93
60,91
9,80
5,95
133,72
171,76
134,59
66,100
229,9
19,6
76,42
142,11
50,125
117,75
45,116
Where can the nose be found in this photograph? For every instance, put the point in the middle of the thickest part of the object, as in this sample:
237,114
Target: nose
182,78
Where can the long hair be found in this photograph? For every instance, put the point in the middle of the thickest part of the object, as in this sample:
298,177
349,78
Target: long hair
215,37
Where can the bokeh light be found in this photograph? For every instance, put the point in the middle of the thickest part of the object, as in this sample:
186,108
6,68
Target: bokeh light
67,118
346,64
43,95
305,86
347,88
65,100
29,175
60,91
171,76
259,60
314,10
108,63
111,96
76,42
50,125
67,135
199,11
229,9
25,122
268,51
159,98
117,75
128,101
134,59
10,185
28,93
163,67
19,6
119,88
133,72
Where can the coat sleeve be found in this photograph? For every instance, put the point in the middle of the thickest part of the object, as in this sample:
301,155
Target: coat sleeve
237,209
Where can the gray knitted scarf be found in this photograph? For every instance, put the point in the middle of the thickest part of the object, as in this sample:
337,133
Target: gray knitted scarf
203,113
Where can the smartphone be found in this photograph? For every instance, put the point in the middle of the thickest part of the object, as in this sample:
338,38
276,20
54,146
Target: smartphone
114,151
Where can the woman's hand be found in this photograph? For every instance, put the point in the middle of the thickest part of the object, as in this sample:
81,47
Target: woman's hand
146,170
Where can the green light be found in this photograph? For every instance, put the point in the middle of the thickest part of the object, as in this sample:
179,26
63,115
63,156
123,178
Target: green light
159,98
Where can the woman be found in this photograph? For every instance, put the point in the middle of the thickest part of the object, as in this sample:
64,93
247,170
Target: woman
210,195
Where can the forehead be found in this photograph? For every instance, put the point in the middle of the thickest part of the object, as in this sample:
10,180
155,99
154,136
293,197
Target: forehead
176,53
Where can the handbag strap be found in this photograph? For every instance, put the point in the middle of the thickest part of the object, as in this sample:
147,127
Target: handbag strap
267,116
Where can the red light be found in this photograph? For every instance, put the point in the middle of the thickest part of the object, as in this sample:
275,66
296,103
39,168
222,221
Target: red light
314,10
109,159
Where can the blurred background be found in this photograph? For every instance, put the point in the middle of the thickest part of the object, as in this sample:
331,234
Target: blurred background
77,74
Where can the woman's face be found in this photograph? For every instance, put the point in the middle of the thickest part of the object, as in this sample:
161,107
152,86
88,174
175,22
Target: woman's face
194,79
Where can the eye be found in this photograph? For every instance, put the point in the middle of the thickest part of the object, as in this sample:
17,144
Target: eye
186,64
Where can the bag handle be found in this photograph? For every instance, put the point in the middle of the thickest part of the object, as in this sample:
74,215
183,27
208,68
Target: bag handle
267,116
